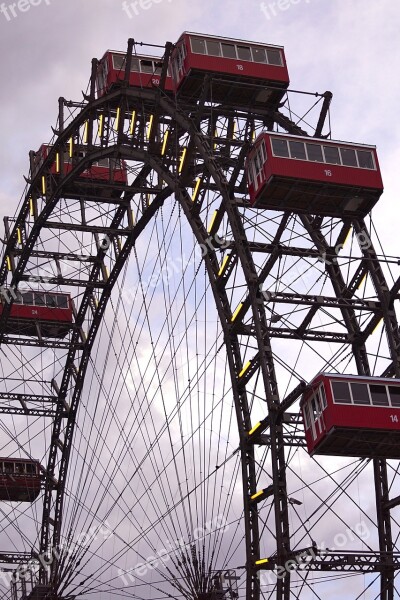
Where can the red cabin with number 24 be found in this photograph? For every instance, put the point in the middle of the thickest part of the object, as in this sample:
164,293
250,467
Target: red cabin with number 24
348,415
35,313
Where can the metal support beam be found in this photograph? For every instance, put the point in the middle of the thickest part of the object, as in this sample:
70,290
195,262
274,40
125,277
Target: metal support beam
291,398
15,557
311,559
324,111
393,503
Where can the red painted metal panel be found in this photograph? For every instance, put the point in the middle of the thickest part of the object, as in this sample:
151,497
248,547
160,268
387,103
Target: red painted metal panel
96,173
239,68
19,489
364,417
41,313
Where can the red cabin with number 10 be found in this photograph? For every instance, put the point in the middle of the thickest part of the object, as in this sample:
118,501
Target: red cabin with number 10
349,415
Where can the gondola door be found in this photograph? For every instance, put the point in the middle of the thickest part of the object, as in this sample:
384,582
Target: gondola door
316,413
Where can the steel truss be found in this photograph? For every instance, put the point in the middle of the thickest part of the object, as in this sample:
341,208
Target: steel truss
214,155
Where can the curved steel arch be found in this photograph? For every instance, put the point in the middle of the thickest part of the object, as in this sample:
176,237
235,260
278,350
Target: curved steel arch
52,510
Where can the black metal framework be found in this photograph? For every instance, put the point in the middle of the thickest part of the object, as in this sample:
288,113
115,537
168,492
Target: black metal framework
251,317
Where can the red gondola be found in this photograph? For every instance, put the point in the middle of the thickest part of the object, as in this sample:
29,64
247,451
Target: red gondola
259,69
34,313
286,172
105,170
20,479
145,72
348,415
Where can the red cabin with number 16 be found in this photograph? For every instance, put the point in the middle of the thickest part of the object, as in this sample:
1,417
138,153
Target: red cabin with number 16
309,175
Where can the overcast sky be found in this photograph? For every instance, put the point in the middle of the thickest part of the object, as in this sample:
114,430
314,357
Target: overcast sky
349,47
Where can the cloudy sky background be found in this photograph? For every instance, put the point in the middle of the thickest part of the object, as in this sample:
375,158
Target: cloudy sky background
349,47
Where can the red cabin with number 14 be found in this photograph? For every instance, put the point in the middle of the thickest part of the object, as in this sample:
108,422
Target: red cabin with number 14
349,415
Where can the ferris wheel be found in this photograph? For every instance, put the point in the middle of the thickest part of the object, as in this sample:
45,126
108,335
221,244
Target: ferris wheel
200,352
